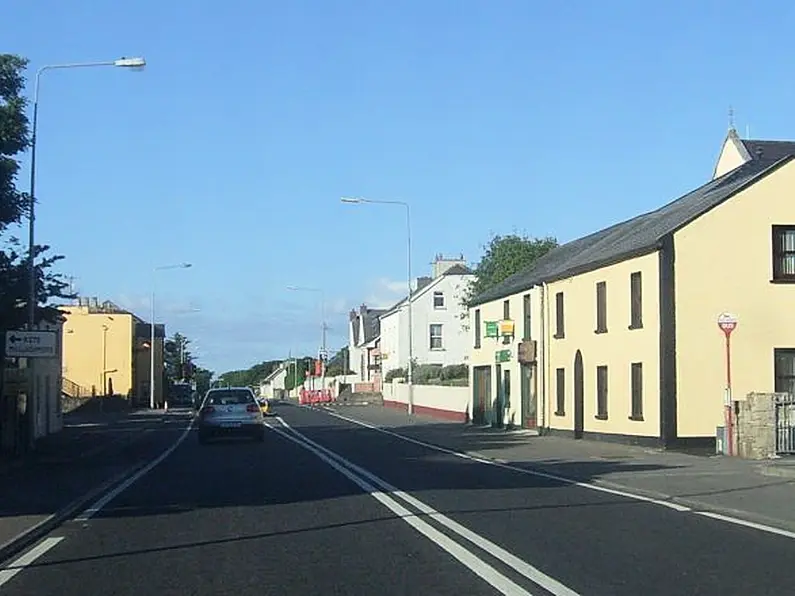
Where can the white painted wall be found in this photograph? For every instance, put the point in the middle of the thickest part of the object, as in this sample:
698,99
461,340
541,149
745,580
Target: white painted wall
451,399
455,338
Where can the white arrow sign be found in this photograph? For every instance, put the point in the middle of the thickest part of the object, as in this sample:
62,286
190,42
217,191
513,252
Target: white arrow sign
31,344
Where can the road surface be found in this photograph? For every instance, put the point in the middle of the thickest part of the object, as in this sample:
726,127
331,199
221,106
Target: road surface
326,506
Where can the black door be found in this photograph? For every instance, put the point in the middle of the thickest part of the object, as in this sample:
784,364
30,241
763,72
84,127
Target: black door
579,400
498,403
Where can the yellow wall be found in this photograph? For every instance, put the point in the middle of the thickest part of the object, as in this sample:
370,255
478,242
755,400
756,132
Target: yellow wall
617,349
729,158
83,348
724,263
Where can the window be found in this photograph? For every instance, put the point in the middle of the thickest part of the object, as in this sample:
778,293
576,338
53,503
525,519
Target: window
526,316
784,367
438,299
506,310
601,392
560,391
436,336
637,391
636,300
477,328
784,253
229,397
559,327
601,307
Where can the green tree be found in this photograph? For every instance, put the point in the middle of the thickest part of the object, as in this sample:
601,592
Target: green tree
14,274
503,256
249,377
176,356
339,364
297,372
203,378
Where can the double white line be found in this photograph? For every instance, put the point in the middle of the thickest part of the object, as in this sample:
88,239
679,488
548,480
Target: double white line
394,500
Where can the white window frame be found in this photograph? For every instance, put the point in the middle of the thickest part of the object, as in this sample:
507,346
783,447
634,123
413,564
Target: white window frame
440,295
439,337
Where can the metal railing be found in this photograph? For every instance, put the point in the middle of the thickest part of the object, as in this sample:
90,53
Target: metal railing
785,424
72,389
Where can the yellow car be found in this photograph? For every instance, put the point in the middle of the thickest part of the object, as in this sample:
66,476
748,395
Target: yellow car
264,405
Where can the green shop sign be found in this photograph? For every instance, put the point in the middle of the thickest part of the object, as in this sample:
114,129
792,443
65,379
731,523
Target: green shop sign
492,329
502,356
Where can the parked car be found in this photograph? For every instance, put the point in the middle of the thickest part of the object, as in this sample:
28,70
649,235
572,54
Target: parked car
230,411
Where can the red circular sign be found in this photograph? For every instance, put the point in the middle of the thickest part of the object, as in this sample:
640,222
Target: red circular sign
727,323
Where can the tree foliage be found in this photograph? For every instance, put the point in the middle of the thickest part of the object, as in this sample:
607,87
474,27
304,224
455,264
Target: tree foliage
339,364
249,377
14,274
503,256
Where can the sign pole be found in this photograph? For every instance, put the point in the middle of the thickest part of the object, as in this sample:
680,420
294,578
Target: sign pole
728,323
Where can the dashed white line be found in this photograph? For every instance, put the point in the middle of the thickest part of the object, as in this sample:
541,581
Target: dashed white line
28,558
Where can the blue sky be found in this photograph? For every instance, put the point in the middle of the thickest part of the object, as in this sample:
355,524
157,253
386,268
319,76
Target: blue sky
231,150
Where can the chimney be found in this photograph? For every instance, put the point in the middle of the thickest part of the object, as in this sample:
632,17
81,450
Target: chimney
442,264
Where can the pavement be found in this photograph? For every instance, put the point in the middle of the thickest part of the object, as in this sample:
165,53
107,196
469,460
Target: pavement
329,506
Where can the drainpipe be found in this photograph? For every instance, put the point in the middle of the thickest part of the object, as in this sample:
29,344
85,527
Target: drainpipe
543,380
545,353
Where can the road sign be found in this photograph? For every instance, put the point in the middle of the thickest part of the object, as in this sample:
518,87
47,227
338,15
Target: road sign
30,344
727,322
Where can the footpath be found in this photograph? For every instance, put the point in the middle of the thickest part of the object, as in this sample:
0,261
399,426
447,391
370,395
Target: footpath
70,469
760,492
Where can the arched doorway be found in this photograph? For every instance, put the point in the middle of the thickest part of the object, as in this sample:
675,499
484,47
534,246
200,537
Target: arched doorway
579,399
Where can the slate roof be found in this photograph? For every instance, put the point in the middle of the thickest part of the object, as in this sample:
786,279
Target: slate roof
773,150
372,323
641,234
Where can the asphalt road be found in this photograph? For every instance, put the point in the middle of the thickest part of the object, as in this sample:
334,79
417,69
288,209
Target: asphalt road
328,507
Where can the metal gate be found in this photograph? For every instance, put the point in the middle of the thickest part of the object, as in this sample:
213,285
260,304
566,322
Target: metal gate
785,424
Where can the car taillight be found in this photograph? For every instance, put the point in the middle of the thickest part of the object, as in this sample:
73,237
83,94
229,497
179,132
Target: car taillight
252,408
207,410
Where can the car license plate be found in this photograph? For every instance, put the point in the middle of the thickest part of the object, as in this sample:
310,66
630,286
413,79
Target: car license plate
230,425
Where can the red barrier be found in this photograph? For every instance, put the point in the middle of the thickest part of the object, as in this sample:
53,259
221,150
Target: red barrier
315,396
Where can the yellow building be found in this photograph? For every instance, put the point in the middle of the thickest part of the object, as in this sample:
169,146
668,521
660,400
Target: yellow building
621,326
105,346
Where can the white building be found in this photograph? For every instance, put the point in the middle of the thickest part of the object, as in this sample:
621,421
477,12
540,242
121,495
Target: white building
439,335
272,386
363,343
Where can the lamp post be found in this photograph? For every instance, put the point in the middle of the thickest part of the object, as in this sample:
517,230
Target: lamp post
131,63
410,368
323,328
152,331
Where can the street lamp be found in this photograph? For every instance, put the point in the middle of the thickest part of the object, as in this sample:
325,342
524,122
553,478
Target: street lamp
410,369
323,327
152,331
130,63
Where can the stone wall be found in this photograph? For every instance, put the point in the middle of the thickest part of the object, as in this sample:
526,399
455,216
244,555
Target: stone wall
756,426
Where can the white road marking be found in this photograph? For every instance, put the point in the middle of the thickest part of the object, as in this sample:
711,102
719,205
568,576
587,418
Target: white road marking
747,524
108,497
499,464
532,573
482,569
29,557
670,505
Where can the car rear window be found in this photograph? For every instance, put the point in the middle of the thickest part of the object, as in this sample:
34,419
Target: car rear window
229,397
